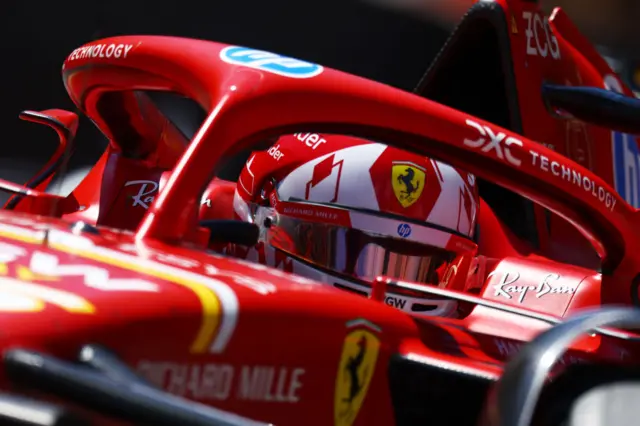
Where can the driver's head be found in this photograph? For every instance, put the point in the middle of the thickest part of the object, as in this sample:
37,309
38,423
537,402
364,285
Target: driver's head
344,211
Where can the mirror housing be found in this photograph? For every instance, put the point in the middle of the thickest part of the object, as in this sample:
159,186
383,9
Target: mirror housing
65,124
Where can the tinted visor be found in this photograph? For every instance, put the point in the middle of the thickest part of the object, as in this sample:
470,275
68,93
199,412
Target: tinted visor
356,253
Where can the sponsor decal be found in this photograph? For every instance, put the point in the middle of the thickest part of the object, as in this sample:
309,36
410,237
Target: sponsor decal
407,181
491,140
222,382
404,230
328,170
355,370
626,156
312,140
316,212
395,302
143,198
270,62
508,289
21,271
16,295
218,300
573,176
540,38
275,152
494,141
147,192
111,50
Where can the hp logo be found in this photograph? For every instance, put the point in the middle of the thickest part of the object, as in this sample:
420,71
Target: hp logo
626,167
270,62
404,230
626,156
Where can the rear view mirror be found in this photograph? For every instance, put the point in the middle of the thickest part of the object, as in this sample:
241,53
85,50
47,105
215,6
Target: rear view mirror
595,105
65,124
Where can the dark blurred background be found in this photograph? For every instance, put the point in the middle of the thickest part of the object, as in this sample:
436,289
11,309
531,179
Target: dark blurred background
391,41
349,35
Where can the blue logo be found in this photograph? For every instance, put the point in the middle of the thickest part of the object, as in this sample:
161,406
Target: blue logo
270,62
626,167
404,230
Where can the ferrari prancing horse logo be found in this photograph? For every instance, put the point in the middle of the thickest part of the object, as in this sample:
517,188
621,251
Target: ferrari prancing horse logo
357,364
407,180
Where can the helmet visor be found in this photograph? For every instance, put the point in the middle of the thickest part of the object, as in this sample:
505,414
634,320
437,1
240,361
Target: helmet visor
356,253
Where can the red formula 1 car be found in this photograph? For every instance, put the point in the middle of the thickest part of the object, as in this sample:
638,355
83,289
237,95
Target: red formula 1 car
520,100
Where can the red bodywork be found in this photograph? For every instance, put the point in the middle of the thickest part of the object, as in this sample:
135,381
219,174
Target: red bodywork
275,347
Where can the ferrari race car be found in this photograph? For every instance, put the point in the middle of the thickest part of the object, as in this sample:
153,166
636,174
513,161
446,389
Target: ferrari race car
114,301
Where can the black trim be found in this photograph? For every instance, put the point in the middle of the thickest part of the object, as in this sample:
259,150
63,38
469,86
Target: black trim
635,287
474,61
424,393
594,105
46,173
111,388
494,14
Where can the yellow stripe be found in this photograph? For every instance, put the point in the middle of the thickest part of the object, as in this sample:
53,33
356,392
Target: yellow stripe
210,304
24,238
211,311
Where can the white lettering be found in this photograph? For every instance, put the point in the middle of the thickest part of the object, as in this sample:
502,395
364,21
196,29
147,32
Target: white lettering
144,197
538,23
275,152
544,163
534,157
494,142
626,155
21,296
531,50
505,288
312,140
101,51
539,33
573,176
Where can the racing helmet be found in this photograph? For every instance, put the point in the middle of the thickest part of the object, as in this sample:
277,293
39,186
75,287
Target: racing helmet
344,211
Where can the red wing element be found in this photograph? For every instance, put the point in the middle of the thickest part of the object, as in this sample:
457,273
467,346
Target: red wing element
65,124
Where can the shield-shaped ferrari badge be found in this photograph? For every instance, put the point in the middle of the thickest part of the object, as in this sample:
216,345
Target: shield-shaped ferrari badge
407,180
356,368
